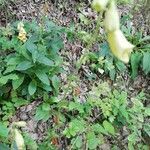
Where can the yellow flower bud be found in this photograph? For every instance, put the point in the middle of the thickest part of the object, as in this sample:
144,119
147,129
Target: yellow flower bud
111,20
119,45
99,5
19,140
22,32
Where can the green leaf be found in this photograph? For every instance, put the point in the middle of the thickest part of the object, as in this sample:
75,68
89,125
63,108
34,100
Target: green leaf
109,127
18,82
76,106
19,102
147,111
43,77
9,69
99,129
132,137
46,87
32,87
45,107
34,56
31,144
13,60
24,65
112,74
147,129
146,62
121,66
4,147
55,82
83,18
44,60
56,44
130,146
104,50
78,142
4,79
31,47
124,112
41,114
135,61
3,130
76,126
92,140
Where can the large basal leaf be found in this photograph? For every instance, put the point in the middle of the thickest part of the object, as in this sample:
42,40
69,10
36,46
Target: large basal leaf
44,60
43,77
31,47
146,62
24,65
13,60
47,88
9,69
35,56
32,87
4,79
55,82
18,82
56,44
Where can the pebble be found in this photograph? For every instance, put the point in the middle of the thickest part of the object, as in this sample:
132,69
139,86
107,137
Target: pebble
29,108
22,109
34,136
32,125
23,116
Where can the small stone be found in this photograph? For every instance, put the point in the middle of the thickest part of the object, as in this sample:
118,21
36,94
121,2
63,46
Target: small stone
29,108
32,125
34,136
23,109
23,116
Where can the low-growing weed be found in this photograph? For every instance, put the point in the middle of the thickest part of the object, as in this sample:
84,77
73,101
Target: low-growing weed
105,114
30,67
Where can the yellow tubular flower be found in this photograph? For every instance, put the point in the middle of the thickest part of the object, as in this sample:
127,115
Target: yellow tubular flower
111,20
19,140
99,5
119,45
